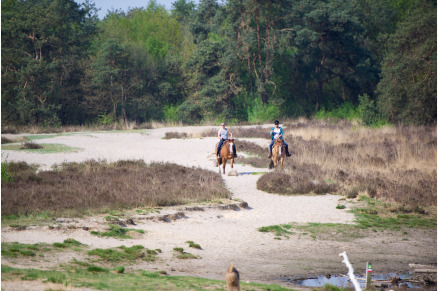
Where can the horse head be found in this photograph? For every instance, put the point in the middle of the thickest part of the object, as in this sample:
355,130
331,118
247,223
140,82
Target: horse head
230,144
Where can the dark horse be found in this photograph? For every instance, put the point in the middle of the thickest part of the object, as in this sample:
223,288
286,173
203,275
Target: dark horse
226,153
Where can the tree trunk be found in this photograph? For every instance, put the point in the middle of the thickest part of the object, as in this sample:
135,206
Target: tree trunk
261,88
123,107
250,75
319,94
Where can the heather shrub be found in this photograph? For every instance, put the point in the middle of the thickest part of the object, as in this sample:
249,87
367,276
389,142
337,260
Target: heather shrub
395,164
78,188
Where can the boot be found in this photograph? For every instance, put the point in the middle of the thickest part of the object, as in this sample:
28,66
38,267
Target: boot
270,155
288,154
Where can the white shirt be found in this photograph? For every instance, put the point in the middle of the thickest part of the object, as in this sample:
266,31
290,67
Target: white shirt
276,133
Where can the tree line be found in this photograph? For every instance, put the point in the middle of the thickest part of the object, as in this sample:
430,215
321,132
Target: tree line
245,60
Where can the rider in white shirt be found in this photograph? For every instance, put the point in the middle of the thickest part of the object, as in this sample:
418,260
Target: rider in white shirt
222,134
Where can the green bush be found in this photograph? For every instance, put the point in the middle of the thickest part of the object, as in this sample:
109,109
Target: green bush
369,113
170,113
345,111
105,119
189,112
262,112
7,175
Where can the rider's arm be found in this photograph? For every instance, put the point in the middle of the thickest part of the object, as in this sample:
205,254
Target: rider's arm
231,134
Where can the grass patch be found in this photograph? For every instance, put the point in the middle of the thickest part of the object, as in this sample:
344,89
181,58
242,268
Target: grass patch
193,245
147,211
143,280
65,191
367,219
15,250
47,148
181,254
278,230
374,213
117,231
372,217
123,253
97,269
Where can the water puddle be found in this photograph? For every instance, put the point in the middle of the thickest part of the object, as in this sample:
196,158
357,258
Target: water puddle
390,280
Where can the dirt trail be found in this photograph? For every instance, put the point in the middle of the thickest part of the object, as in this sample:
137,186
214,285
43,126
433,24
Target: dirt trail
224,235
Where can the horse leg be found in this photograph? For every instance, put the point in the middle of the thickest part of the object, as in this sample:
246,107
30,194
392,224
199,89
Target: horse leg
231,162
224,161
282,160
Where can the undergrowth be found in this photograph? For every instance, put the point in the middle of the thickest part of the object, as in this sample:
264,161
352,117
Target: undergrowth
99,278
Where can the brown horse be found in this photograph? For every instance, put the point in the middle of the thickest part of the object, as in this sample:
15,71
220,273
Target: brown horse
278,154
226,153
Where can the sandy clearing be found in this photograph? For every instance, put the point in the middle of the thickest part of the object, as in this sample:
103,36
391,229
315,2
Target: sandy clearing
225,236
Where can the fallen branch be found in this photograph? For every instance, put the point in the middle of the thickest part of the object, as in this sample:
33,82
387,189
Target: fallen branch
350,271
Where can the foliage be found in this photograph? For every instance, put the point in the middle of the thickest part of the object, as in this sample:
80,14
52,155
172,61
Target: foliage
407,91
345,111
123,253
244,60
43,46
7,175
129,281
260,112
170,113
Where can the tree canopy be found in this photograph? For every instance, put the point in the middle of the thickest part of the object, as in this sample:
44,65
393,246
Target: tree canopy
245,60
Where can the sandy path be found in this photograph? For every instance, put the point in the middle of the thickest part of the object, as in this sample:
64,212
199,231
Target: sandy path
225,236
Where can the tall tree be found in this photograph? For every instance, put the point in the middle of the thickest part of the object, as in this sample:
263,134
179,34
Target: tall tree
330,41
43,45
407,90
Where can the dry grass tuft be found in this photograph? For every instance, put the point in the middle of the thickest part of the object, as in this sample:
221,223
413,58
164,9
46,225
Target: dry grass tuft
254,161
34,129
241,132
6,140
31,146
96,186
397,164
174,134
252,148
304,179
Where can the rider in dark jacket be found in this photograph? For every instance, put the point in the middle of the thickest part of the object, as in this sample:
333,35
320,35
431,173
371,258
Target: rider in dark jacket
277,132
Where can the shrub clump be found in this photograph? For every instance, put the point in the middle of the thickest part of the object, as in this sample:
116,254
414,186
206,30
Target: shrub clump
31,146
79,188
393,164
301,180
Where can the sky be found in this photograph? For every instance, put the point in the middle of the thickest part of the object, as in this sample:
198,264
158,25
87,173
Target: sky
106,5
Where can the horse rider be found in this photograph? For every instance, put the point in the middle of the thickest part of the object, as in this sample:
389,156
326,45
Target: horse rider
222,134
277,132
